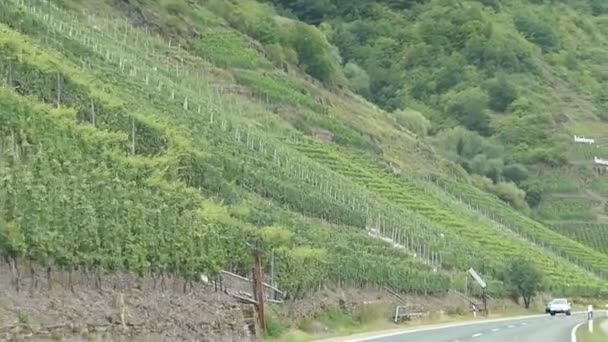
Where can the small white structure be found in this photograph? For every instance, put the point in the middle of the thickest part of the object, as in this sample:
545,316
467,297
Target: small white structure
583,140
600,161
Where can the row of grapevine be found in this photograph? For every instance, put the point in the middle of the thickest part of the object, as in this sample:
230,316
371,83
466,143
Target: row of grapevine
123,222
594,235
245,135
338,188
419,194
527,227
119,259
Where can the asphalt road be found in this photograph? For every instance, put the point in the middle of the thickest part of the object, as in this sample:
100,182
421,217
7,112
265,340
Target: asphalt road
533,329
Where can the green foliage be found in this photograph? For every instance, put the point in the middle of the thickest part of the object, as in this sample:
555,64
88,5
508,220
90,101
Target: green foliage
357,78
506,191
275,327
469,107
315,55
516,173
594,235
566,209
601,100
523,280
280,89
599,7
413,121
501,94
535,28
85,196
229,49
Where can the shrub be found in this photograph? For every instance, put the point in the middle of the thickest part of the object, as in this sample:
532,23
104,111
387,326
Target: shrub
358,78
315,54
506,191
414,121
469,107
501,94
537,31
515,173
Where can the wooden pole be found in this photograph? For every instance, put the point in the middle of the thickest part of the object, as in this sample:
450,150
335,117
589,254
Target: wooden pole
259,287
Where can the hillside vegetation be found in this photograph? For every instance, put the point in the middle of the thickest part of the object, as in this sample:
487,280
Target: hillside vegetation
498,86
169,137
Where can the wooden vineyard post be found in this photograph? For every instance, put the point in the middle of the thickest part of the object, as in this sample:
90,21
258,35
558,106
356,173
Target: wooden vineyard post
258,285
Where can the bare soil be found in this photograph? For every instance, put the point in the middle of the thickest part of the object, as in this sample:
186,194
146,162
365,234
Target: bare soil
124,309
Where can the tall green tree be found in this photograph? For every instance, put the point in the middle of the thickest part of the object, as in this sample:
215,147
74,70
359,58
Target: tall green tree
522,279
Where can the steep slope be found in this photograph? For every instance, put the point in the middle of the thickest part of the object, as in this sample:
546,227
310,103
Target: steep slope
524,77
126,150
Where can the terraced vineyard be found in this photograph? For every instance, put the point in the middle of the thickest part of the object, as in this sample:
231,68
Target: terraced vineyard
144,135
97,97
568,208
525,226
594,235
492,240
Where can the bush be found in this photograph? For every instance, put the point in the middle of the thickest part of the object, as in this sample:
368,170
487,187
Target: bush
413,121
506,191
600,98
537,31
599,7
515,173
274,326
315,54
469,107
501,94
358,78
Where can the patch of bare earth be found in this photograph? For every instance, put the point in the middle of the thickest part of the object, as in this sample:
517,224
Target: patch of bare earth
124,308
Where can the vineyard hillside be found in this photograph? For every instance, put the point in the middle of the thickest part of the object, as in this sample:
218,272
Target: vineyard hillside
513,91
166,139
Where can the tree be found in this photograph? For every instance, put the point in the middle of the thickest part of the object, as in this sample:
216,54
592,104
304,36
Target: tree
501,93
469,107
515,173
537,30
522,279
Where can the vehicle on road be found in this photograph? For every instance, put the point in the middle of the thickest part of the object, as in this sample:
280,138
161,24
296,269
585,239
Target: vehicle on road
559,305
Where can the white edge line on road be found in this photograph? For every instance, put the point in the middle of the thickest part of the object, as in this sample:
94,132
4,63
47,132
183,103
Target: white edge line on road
477,335
443,326
573,333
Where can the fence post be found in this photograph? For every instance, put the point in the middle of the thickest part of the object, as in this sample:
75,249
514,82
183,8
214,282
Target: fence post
259,286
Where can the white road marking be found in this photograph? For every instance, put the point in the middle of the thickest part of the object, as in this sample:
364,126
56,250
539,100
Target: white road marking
573,332
511,326
524,323
495,329
477,335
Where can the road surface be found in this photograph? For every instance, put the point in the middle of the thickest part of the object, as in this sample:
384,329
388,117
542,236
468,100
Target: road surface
543,328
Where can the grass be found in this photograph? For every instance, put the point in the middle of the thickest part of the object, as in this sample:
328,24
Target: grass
599,334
